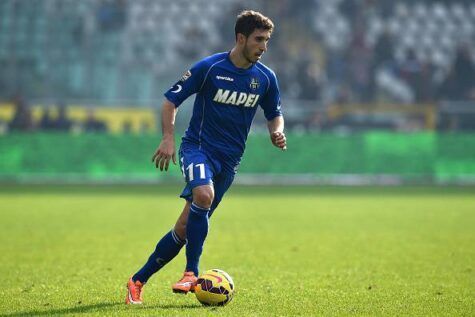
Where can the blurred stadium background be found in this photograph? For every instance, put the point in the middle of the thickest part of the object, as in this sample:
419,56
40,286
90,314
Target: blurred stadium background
373,91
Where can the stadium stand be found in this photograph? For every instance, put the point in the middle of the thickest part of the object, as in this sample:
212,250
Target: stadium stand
122,52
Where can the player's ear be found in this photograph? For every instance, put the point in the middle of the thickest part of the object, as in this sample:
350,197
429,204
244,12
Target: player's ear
241,38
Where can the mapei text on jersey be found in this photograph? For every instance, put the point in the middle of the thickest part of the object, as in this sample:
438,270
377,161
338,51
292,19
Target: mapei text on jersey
236,98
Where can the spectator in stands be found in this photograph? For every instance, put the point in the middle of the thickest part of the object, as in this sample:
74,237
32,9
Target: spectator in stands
410,70
426,87
145,127
383,50
22,119
360,70
309,79
448,89
127,126
464,73
343,94
92,124
459,83
46,120
62,123
318,122
336,66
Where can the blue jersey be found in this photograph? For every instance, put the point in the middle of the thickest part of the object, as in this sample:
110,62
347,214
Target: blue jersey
226,101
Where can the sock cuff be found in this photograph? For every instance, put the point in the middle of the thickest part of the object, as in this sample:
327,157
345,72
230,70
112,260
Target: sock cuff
198,209
176,238
136,278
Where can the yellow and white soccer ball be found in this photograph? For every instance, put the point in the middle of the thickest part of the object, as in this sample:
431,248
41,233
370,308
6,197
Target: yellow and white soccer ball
214,288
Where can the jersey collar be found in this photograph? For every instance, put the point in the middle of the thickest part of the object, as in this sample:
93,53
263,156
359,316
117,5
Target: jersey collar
237,69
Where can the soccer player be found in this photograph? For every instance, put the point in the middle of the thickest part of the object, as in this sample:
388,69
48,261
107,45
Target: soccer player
229,88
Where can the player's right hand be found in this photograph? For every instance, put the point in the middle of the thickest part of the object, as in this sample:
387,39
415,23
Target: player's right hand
163,154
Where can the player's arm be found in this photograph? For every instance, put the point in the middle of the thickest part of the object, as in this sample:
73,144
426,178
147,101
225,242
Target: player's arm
272,111
276,131
166,149
189,84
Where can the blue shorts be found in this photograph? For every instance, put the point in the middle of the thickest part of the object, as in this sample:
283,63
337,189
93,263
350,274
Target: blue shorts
201,168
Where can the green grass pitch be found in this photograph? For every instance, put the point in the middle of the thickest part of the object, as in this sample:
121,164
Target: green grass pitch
360,251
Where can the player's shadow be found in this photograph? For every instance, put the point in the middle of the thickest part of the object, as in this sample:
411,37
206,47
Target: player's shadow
173,306
81,309
63,311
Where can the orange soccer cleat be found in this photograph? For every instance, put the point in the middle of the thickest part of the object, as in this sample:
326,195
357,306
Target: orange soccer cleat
185,284
134,292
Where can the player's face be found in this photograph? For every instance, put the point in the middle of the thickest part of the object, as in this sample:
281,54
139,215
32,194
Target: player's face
255,45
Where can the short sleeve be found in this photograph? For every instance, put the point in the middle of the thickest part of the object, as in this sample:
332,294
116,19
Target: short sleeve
189,84
271,102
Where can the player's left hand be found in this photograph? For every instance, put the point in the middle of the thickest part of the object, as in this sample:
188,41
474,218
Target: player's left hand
279,140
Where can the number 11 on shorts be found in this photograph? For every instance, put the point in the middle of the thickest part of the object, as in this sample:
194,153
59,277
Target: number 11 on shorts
190,170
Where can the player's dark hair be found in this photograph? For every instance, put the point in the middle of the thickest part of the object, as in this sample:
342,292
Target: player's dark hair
248,20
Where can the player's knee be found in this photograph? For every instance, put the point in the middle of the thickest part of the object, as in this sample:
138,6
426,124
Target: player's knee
203,198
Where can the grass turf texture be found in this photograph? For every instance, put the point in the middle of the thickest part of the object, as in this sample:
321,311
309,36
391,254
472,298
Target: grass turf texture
291,251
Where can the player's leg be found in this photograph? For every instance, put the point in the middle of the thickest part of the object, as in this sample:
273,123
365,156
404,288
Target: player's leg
196,231
197,226
204,201
167,248
198,170
180,225
194,246
222,182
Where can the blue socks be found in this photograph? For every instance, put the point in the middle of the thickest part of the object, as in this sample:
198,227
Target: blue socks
167,248
170,245
196,232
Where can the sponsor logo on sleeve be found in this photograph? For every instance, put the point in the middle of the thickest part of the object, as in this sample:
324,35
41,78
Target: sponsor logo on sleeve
186,75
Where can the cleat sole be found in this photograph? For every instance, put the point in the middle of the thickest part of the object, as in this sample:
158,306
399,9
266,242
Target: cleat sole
179,291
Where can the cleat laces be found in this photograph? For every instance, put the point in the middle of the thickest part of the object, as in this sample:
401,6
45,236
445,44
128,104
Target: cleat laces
138,290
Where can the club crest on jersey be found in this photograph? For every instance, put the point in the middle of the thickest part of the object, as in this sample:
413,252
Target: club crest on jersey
236,98
254,83
186,75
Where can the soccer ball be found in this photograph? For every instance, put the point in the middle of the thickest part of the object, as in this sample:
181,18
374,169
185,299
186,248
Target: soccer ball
214,288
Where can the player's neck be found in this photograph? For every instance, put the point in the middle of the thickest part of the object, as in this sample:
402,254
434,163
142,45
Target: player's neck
238,59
